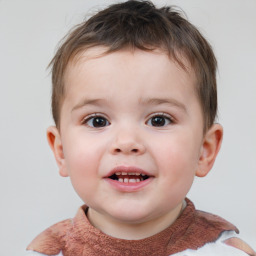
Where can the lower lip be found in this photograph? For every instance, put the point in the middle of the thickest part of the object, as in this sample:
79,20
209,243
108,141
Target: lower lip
129,187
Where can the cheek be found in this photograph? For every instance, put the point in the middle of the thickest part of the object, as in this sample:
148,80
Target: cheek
80,150
178,171
82,161
177,156
82,167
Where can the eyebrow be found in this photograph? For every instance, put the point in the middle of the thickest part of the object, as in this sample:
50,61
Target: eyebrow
160,101
146,101
85,102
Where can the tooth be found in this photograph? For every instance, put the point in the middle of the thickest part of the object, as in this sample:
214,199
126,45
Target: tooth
118,173
137,180
130,173
124,173
137,174
143,174
126,180
121,180
132,180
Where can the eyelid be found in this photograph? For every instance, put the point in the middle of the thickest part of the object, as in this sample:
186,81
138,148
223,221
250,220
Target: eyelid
163,114
90,116
169,118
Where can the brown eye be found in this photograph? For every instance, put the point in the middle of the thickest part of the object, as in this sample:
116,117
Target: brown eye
97,122
159,121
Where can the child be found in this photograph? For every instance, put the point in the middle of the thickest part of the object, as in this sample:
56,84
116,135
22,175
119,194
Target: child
134,101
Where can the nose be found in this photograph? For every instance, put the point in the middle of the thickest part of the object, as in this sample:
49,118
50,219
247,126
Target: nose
128,142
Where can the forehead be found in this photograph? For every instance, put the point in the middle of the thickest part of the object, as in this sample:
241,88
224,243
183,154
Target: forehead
99,59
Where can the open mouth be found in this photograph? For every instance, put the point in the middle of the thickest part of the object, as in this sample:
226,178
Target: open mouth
128,177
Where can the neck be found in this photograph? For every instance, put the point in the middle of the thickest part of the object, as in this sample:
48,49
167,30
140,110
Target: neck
133,231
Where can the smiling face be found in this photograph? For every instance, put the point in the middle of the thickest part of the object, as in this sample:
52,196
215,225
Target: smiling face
131,136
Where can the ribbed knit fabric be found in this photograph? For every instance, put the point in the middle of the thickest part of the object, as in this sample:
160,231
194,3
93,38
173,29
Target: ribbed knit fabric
77,237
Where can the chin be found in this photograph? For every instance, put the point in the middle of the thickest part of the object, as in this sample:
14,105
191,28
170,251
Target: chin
131,215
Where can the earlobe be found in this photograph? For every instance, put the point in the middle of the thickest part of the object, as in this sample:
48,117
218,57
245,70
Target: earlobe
209,150
55,143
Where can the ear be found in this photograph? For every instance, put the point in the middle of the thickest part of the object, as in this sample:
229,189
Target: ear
209,149
55,143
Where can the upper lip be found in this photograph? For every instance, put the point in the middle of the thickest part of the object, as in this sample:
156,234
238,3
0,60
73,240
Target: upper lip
128,170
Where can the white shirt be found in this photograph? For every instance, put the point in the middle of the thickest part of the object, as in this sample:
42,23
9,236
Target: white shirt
217,248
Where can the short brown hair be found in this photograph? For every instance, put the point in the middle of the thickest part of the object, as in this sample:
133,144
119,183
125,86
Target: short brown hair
140,25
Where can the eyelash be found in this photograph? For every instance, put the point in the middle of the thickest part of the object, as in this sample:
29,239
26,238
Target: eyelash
161,115
166,118
89,118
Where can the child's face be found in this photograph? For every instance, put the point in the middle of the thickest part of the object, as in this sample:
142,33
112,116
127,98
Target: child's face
136,113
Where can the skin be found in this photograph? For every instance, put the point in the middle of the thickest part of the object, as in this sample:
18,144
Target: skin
150,118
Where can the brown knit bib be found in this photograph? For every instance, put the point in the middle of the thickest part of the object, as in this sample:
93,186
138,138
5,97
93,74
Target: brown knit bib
77,237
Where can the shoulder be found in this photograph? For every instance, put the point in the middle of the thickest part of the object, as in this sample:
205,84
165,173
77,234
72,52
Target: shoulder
214,235
205,228
227,244
239,244
52,240
33,253
211,222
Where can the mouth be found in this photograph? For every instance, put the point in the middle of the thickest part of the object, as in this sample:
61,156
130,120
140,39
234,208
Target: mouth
128,177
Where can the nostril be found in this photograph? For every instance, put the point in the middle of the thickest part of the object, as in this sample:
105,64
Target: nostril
135,150
127,148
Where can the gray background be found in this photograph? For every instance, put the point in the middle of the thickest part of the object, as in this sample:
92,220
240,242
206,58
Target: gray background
33,196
